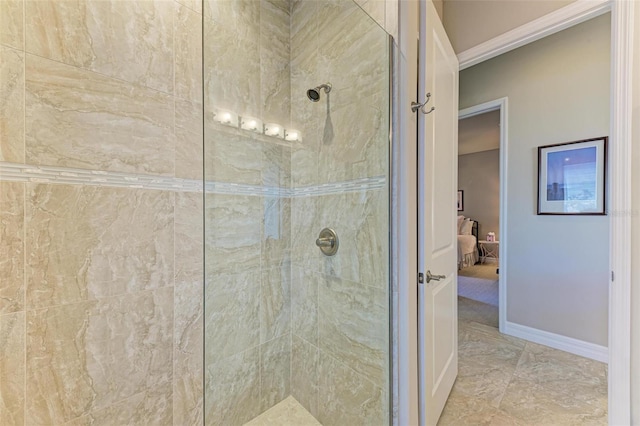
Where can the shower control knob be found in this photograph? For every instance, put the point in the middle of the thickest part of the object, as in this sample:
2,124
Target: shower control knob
328,242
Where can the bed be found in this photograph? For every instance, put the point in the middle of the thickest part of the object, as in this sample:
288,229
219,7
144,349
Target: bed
468,253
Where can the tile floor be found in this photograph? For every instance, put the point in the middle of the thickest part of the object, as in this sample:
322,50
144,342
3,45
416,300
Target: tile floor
504,380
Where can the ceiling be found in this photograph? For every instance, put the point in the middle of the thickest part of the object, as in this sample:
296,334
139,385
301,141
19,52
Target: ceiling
479,133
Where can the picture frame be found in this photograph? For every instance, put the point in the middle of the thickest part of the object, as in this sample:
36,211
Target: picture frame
460,200
572,178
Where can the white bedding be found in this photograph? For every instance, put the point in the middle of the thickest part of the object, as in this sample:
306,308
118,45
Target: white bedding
467,251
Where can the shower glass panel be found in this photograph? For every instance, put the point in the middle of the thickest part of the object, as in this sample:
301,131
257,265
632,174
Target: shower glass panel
296,139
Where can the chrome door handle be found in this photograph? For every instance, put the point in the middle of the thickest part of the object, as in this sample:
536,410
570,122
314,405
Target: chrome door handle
431,277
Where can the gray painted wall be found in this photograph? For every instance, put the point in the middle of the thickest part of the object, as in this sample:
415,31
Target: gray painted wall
479,178
558,90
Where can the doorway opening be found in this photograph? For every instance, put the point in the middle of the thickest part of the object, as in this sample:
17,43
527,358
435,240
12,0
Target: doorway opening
479,141
481,164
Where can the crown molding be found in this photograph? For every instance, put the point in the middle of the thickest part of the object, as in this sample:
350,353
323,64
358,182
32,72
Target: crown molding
561,19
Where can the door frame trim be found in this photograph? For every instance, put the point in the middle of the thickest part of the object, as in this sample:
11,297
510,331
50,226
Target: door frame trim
622,27
502,105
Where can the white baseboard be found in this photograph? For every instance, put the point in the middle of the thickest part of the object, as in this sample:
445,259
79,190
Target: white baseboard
557,341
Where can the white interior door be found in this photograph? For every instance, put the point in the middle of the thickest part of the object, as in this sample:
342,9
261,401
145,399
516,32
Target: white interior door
437,241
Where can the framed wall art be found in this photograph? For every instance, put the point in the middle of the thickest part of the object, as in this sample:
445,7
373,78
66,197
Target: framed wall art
572,178
460,200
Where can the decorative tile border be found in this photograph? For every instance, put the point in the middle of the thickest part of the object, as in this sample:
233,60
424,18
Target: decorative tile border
14,172
362,184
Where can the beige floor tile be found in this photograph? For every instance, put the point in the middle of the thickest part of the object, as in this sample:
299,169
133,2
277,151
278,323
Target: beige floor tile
504,381
465,410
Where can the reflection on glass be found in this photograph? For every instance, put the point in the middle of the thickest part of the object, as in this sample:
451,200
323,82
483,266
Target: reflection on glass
287,328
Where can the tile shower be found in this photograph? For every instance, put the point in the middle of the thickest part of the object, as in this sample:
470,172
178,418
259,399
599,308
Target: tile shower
105,235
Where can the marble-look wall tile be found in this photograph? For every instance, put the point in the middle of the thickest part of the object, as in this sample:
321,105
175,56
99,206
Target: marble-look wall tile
361,221
375,9
367,152
12,23
341,42
304,230
276,168
242,16
11,104
351,51
150,407
233,225
76,118
131,41
275,302
233,389
88,356
11,247
353,325
232,157
304,37
345,397
188,330
188,354
275,79
304,373
232,65
188,54
304,304
189,240
359,51
232,313
12,369
88,242
276,232
195,5
189,140
275,371
305,115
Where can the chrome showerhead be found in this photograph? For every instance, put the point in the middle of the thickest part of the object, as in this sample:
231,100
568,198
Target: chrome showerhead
314,94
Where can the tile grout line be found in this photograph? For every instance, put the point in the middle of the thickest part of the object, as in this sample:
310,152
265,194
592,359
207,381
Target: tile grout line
524,349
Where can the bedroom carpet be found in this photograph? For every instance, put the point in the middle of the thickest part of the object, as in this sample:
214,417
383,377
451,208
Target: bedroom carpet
478,289
478,294
486,271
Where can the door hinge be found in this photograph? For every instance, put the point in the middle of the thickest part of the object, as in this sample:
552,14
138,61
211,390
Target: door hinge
420,278
612,276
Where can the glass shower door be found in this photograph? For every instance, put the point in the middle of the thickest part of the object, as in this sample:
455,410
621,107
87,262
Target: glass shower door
297,109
